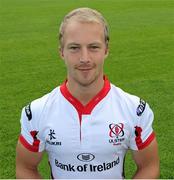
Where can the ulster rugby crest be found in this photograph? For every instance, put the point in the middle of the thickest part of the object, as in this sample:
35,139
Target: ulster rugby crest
116,133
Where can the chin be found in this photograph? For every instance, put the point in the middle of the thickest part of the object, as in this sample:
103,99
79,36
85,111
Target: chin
87,81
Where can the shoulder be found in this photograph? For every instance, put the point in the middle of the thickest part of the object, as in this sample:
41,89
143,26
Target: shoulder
34,109
132,103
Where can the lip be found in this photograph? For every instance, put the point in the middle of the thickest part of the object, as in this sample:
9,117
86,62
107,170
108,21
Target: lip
86,69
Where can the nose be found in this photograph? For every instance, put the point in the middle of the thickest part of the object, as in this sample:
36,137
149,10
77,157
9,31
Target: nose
85,57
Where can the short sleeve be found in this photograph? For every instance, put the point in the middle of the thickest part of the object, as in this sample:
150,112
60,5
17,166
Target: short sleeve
30,134
143,133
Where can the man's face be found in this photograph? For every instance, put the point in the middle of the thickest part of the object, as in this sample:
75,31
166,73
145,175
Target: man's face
84,51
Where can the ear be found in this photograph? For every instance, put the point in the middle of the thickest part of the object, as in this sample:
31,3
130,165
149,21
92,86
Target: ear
61,52
106,52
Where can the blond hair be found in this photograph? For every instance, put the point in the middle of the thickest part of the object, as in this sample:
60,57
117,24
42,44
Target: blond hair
84,15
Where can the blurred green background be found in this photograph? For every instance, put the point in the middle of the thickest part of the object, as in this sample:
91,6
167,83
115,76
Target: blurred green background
141,62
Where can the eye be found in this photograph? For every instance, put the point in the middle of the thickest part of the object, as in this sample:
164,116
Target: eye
73,48
94,47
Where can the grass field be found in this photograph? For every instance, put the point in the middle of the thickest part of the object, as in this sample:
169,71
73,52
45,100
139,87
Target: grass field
141,61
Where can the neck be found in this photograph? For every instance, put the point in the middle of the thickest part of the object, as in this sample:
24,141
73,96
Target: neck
85,93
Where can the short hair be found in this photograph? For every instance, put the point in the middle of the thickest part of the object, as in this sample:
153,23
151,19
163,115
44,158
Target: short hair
84,15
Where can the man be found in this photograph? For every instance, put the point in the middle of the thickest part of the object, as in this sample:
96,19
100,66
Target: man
86,125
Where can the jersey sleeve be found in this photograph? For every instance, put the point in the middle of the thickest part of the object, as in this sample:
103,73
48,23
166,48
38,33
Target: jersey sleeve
30,133
143,133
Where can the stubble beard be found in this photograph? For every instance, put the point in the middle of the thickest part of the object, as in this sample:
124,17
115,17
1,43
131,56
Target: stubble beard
83,81
87,83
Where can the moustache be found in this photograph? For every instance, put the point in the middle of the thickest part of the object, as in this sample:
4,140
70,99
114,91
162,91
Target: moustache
85,66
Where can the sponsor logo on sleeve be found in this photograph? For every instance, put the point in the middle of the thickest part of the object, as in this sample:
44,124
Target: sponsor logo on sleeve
141,107
28,112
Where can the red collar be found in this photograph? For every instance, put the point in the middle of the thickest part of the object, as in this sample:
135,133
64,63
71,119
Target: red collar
87,109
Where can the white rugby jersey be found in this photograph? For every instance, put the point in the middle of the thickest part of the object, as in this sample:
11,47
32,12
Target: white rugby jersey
87,142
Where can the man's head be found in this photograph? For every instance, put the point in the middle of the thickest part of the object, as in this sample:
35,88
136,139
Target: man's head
84,45
83,15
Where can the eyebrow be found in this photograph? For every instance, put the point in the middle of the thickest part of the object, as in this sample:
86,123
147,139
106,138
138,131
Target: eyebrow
95,43
77,44
73,44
